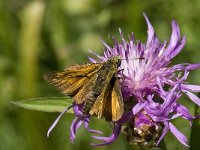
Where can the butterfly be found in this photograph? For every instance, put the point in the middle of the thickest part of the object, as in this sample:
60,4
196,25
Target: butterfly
95,85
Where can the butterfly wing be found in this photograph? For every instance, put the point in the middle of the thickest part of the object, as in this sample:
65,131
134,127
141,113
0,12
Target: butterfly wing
98,106
82,70
86,92
109,103
72,79
117,104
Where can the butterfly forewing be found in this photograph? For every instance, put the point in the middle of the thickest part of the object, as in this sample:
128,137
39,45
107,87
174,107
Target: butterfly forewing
72,79
81,70
86,92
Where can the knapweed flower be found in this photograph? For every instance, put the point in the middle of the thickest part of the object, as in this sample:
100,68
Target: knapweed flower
151,89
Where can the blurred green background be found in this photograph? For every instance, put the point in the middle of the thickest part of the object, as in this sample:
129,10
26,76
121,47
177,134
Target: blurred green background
37,37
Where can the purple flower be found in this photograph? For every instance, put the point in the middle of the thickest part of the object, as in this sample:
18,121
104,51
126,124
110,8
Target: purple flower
151,89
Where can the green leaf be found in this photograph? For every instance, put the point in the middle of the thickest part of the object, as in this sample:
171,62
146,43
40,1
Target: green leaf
46,104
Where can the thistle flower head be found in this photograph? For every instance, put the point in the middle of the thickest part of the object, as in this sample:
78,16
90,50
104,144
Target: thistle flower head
147,72
151,89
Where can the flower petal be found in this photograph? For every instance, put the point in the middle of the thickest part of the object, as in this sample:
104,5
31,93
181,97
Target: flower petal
111,138
151,34
190,87
181,137
164,132
179,47
173,41
193,97
107,140
57,119
74,127
138,107
183,111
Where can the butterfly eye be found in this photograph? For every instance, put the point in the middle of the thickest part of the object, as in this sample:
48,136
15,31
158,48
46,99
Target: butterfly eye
118,63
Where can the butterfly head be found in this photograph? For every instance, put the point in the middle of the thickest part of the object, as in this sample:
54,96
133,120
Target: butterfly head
116,60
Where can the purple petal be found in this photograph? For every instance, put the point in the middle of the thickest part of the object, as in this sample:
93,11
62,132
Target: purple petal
184,77
190,87
107,140
179,48
174,39
193,67
160,86
78,109
98,56
151,34
185,66
165,130
164,109
124,43
95,131
74,127
86,124
179,67
138,107
175,116
193,97
159,118
92,60
107,46
170,99
110,139
57,119
181,137
72,133
183,111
